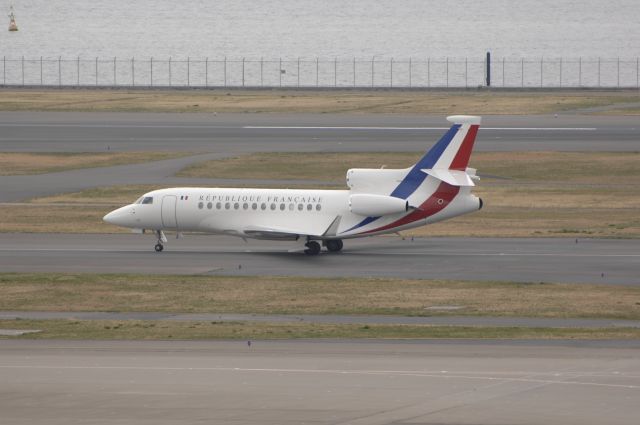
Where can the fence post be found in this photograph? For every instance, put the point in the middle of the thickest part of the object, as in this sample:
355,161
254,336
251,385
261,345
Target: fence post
280,71
114,72
188,71
206,71
372,71
447,71
580,71
40,70
23,71
242,72
59,70
151,72
487,66
354,71
169,71
96,70
410,71
335,72
225,71
391,76
560,72
466,84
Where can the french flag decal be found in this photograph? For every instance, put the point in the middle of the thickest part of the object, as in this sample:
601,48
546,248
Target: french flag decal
184,197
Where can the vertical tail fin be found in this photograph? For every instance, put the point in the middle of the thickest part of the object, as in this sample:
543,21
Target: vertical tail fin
453,150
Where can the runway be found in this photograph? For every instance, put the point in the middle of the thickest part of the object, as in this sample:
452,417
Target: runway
320,382
240,133
599,261
215,136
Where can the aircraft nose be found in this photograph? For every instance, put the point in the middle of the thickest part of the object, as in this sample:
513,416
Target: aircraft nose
119,217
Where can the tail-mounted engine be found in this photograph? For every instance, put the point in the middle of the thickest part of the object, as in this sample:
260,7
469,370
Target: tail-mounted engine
377,205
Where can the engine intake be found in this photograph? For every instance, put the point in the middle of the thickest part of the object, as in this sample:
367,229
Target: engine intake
377,205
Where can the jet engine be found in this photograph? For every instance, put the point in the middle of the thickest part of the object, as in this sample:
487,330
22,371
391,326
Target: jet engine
377,205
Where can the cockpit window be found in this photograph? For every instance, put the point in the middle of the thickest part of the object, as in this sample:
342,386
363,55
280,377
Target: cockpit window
139,201
147,200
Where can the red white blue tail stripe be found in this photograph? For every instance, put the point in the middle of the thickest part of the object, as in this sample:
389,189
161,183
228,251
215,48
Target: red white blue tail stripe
451,152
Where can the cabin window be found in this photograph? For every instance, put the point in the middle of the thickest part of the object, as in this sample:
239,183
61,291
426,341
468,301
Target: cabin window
309,207
219,205
148,200
263,206
227,206
282,207
254,206
318,207
273,207
200,205
300,207
209,205
291,207
236,206
245,206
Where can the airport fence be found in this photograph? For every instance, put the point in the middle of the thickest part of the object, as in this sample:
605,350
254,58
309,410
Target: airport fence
322,73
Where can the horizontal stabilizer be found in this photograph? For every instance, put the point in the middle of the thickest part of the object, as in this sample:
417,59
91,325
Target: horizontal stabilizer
452,177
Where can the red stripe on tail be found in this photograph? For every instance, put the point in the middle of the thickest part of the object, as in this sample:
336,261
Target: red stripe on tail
461,159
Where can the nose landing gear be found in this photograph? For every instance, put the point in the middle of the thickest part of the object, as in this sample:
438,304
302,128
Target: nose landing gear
161,238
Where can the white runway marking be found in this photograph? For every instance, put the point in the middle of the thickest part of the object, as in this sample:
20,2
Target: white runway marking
269,127
273,127
409,373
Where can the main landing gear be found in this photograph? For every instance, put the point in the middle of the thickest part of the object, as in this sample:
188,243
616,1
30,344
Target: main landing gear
333,245
313,247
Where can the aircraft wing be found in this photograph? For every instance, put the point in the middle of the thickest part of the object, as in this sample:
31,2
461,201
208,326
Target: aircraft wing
321,226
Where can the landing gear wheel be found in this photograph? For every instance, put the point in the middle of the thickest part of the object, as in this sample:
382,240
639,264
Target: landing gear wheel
159,247
313,248
334,245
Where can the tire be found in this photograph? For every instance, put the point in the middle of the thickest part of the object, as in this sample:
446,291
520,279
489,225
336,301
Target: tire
313,248
159,247
334,245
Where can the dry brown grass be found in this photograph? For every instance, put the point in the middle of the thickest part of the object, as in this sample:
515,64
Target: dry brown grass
194,330
20,163
295,295
568,194
476,102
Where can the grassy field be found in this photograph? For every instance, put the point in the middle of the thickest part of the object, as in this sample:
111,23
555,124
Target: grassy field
423,102
20,163
167,330
296,295
526,194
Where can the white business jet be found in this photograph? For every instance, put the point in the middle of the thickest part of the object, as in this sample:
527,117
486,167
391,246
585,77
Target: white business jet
378,201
